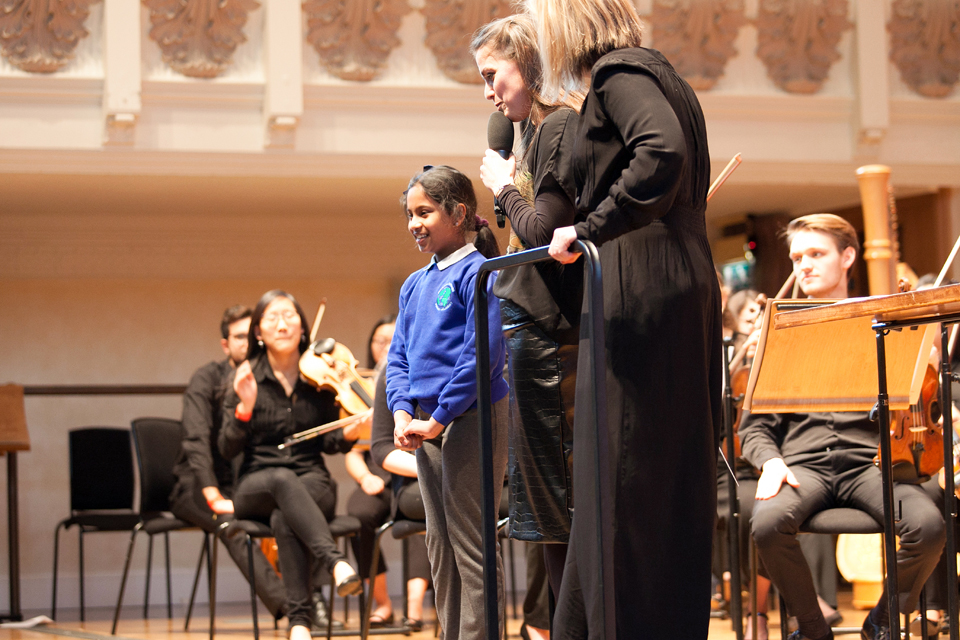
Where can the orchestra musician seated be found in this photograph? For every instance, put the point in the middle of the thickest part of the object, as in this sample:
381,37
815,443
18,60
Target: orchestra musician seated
291,488
816,461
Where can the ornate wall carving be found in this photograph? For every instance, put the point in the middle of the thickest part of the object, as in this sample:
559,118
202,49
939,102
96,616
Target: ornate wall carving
925,44
697,36
198,37
451,24
354,37
797,40
40,36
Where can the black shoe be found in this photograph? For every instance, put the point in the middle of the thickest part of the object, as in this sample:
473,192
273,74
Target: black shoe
413,625
796,635
320,618
872,629
352,585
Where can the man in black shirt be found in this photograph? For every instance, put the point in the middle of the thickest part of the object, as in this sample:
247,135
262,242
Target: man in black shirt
811,462
204,478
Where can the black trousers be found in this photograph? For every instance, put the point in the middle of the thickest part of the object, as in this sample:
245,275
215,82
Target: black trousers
298,508
188,503
843,478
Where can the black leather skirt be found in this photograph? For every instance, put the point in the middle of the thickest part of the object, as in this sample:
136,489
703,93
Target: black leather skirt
542,376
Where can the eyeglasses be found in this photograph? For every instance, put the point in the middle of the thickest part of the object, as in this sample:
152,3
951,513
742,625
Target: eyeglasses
382,342
271,319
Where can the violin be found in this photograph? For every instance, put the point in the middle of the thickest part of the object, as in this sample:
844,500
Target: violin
916,440
328,364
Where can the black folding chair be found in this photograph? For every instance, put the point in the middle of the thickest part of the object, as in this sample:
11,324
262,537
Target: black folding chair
101,491
157,442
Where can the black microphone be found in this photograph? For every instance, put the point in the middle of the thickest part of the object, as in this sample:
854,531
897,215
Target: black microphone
500,139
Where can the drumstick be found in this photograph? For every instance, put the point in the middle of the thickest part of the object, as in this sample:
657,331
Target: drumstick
731,166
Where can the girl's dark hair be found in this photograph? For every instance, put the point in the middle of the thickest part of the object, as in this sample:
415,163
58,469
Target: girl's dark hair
449,187
255,348
390,318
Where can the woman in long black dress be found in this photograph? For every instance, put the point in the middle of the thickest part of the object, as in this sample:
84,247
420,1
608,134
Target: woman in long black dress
291,488
540,304
642,171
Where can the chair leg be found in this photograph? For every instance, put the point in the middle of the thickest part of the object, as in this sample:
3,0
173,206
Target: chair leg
513,579
367,606
333,594
166,547
212,559
253,588
405,570
146,589
56,557
123,580
196,582
80,551
754,571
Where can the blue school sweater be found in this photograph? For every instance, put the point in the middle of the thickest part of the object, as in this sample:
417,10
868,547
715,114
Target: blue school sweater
432,361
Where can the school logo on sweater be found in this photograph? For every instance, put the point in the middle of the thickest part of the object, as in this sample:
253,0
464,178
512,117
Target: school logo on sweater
444,297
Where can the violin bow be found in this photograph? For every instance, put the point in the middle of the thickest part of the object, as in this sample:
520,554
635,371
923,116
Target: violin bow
727,170
946,265
316,322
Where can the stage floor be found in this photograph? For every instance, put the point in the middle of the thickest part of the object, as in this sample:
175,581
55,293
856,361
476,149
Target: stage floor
234,621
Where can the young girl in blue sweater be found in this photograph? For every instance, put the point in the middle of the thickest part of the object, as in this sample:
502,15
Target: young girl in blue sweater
432,389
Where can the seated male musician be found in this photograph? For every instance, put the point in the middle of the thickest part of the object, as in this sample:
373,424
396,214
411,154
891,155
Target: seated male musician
205,479
816,461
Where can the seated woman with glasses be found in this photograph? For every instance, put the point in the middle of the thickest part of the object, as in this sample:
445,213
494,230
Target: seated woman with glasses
291,488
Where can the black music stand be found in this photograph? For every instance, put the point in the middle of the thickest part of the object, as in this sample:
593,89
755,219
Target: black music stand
890,313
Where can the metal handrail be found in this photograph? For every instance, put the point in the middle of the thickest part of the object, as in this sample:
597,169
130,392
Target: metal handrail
593,457
103,389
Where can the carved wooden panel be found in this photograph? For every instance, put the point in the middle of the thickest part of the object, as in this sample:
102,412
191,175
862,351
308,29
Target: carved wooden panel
925,44
450,27
697,36
40,36
797,40
198,37
354,37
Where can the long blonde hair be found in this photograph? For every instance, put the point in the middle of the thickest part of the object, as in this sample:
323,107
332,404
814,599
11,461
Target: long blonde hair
574,34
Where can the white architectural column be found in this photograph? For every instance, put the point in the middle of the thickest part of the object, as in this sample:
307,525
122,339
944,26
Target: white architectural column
283,64
872,83
121,69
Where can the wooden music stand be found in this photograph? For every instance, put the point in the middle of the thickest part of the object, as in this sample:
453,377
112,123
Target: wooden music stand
812,345
13,438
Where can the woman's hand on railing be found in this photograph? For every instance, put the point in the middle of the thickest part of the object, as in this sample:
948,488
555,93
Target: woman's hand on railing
560,245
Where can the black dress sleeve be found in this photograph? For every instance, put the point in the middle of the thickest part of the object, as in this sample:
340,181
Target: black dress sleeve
647,184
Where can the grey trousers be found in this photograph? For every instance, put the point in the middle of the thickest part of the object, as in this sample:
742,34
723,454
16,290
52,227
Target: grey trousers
449,471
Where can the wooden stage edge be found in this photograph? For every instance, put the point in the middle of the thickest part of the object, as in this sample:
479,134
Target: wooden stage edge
234,622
